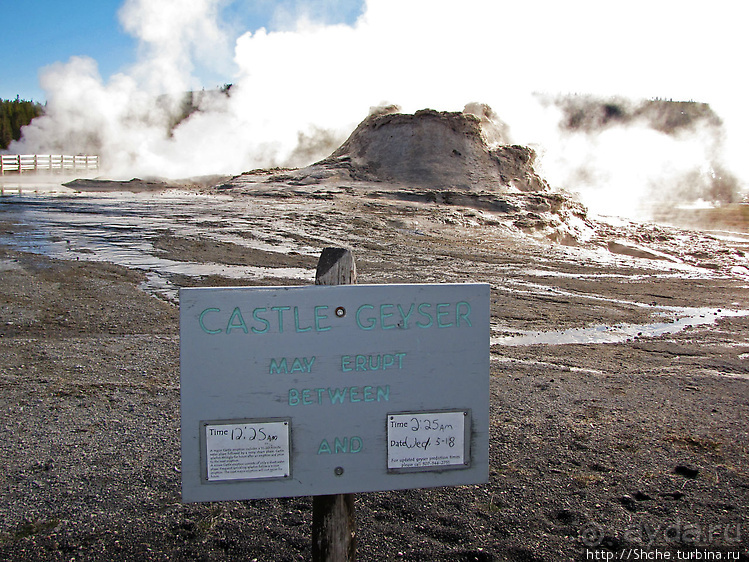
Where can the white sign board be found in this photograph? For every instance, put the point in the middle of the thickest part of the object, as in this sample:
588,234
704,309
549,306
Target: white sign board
422,440
245,450
290,391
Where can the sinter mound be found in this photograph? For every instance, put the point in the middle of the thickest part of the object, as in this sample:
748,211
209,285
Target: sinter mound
442,158
434,149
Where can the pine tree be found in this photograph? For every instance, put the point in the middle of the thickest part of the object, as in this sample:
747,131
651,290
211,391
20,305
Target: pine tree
14,115
6,131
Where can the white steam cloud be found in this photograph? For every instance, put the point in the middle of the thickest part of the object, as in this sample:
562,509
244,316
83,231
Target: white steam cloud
172,36
300,90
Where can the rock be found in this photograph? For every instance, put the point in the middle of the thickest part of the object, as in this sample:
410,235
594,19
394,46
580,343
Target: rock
628,502
686,471
638,252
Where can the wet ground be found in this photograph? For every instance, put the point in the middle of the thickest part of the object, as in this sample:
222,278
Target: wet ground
183,238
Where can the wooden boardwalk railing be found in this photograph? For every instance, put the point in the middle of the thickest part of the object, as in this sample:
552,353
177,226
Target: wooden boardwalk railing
54,163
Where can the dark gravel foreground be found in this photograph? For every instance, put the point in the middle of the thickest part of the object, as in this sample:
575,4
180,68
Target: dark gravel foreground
636,450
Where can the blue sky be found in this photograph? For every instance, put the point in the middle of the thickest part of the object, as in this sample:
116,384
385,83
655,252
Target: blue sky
38,33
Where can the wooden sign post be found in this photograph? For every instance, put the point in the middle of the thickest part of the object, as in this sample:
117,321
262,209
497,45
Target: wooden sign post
333,516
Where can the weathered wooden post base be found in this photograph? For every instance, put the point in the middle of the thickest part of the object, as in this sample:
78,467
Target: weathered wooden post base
333,528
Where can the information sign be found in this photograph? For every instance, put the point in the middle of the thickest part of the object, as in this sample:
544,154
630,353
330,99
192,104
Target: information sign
245,450
428,440
315,390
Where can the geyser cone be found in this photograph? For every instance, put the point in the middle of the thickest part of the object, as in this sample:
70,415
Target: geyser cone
441,158
434,149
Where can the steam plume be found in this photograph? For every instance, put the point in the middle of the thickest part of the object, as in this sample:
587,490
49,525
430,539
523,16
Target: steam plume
300,90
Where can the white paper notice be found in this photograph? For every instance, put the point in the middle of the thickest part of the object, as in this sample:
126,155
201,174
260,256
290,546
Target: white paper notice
426,440
243,451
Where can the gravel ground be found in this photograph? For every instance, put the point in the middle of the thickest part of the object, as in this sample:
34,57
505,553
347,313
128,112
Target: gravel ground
636,448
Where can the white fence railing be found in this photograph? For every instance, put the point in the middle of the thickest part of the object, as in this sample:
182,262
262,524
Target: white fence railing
55,163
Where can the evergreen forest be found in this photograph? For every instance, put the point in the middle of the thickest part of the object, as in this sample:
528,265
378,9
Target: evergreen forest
15,114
